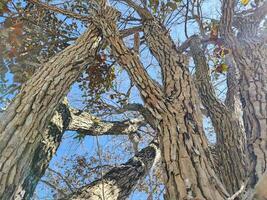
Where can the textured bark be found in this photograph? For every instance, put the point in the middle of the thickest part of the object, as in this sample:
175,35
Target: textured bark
66,118
119,182
45,151
184,146
230,134
25,120
85,123
250,54
184,149
253,88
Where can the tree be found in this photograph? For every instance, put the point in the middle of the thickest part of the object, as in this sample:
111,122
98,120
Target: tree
191,167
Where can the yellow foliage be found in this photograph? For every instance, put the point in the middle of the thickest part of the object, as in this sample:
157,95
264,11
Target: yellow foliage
245,2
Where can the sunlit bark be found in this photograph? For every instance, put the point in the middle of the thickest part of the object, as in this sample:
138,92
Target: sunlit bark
118,183
25,120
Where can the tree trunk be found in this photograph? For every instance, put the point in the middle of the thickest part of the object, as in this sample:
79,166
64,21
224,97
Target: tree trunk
186,156
66,118
24,122
119,182
45,151
185,153
250,54
230,135
252,65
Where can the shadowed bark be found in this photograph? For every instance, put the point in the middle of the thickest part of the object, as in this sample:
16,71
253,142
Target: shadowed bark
119,182
66,118
26,118
230,135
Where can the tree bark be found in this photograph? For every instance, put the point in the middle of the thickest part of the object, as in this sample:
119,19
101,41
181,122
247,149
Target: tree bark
119,182
230,135
253,89
24,122
250,54
66,118
186,158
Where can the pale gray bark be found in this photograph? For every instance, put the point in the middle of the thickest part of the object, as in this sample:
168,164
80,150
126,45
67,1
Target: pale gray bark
119,182
66,118
250,53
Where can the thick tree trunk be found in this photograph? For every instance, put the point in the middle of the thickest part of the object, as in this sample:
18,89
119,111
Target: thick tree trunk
186,157
66,118
24,122
119,182
230,135
185,153
250,54
252,65
45,151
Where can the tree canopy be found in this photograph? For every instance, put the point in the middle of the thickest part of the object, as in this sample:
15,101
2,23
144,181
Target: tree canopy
158,99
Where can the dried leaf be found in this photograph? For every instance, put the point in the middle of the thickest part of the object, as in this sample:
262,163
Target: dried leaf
245,2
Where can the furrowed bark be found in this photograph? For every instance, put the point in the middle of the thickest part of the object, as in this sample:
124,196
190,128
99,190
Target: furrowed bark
250,54
253,89
85,123
105,19
26,118
231,141
118,183
183,144
44,152
66,118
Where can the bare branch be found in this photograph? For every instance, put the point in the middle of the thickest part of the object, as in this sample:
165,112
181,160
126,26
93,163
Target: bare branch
59,10
85,123
62,177
61,192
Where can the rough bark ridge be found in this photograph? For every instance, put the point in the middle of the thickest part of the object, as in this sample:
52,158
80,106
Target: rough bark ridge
253,89
45,151
115,184
250,54
26,118
183,144
67,118
231,141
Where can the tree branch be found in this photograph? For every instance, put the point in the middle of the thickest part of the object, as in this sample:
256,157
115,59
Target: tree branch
106,21
61,192
124,33
172,62
247,22
59,10
115,183
85,123
229,131
66,118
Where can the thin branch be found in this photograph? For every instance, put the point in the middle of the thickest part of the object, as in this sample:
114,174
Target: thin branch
186,18
60,175
54,187
59,10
